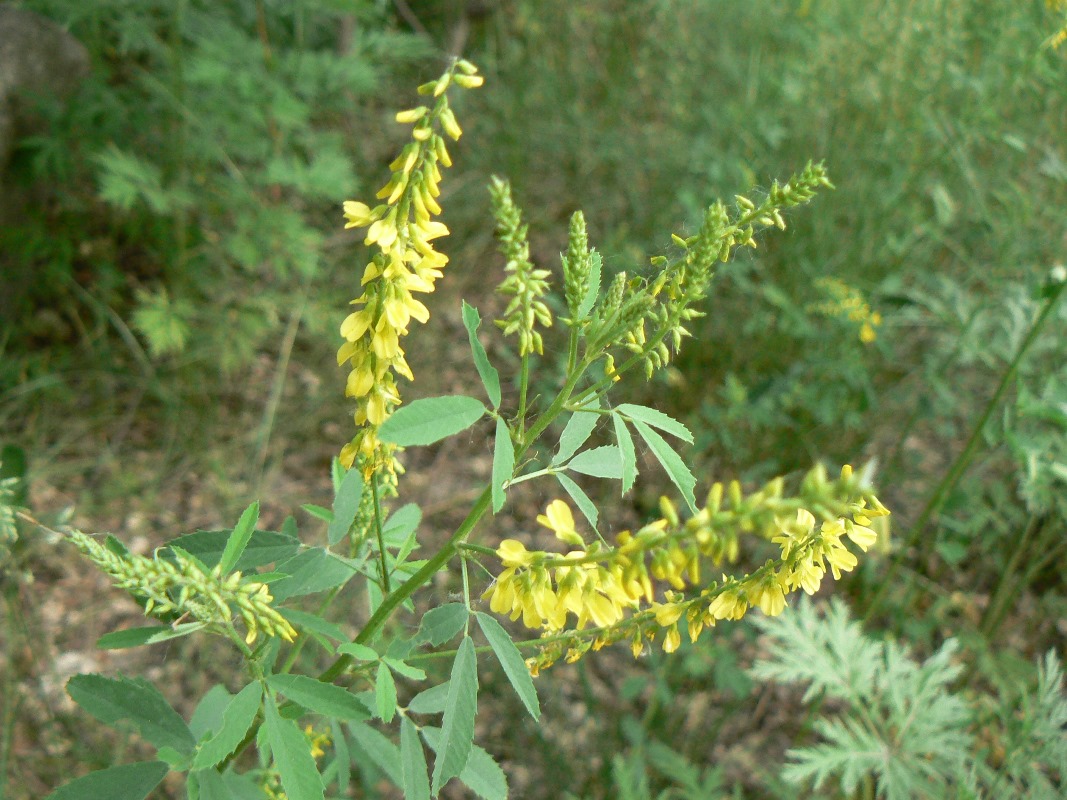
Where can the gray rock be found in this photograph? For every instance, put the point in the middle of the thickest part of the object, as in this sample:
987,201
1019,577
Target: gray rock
37,58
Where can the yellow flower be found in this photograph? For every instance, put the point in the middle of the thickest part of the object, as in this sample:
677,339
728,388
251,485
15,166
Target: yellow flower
807,575
513,553
863,536
672,639
559,519
667,613
769,595
839,556
728,604
502,593
359,215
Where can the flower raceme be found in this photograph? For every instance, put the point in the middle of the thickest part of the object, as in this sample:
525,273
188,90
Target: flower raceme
181,586
406,264
611,591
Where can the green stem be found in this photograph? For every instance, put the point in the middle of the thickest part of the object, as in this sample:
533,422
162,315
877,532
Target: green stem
963,461
383,567
394,599
572,348
524,383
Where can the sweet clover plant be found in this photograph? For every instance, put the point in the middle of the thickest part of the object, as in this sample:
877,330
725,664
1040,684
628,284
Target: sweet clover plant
277,731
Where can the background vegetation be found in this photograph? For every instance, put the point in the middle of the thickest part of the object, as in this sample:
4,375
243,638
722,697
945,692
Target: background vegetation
180,273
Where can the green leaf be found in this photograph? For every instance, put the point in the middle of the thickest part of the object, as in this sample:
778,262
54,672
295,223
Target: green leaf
292,756
241,787
345,506
128,782
442,623
416,783
430,701
342,763
430,420
207,785
207,716
503,463
488,373
236,720
627,451
657,419
322,698
512,662
314,570
484,777
401,524
600,462
457,725
114,699
595,263
676,469
319,512
577,431
379,749
580,498
385,693
264,547
358,651
135,637
238,540
403,668
482,774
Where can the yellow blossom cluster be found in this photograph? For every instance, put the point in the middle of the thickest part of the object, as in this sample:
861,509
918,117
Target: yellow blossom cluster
614,589
846,302
406,264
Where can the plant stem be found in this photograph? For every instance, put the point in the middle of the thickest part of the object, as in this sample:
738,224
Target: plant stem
383,567
959,466
524,383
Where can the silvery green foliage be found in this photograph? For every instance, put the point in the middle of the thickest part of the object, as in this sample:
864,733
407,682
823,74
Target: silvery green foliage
896,721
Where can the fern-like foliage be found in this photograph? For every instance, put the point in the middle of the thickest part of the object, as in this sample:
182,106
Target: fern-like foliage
1033,735
899,726
902,726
